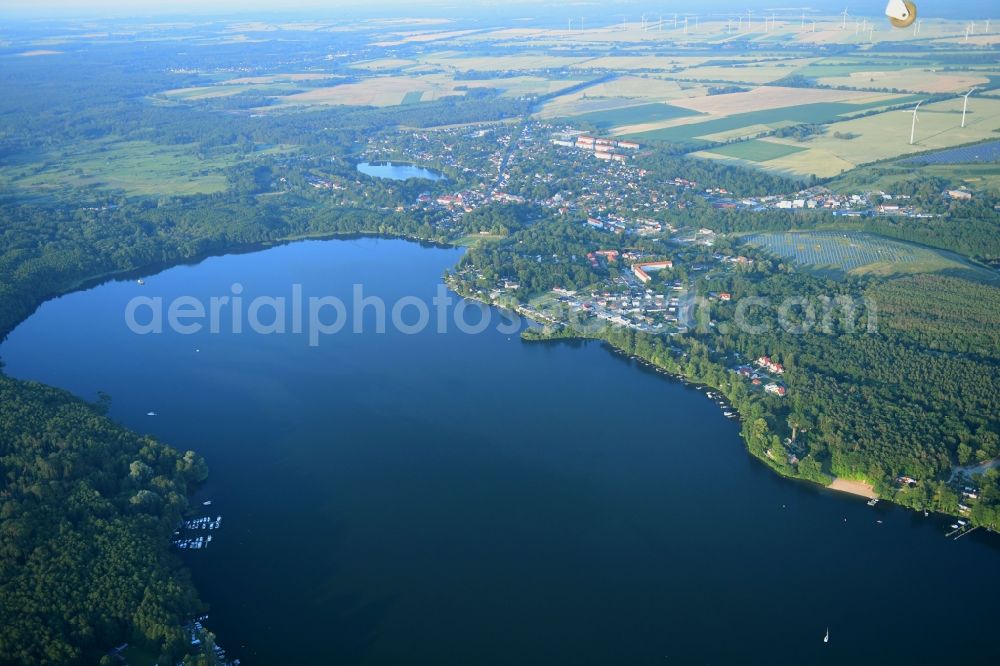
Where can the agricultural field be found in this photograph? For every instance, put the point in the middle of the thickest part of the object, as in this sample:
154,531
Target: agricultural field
620,91
227,89
911,80
886,136
132,167
629,115
836,253
822,112
497,63
887,177
755,151
775,97
384,64
404,89
756,73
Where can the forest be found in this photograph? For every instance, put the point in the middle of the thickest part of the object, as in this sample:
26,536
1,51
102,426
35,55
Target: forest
86,509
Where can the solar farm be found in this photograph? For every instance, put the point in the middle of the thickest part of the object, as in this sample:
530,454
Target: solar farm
836,253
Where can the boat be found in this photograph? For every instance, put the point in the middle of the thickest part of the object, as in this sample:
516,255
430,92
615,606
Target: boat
150,413
207,503
826,639
140,282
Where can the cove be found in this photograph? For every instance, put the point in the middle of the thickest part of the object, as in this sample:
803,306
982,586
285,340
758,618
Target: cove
449,498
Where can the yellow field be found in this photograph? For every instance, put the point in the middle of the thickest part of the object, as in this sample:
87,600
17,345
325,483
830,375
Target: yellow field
502,62
759,73
421,37
515,86
620,92
381,91
662,63
916,80
763,98
886,135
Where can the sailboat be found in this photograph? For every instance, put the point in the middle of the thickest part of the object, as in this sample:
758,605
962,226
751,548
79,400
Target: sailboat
826,639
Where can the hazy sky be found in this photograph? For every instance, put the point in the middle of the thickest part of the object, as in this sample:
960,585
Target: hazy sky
74,8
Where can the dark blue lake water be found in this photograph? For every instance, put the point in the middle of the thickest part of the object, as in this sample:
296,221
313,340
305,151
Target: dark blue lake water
473,499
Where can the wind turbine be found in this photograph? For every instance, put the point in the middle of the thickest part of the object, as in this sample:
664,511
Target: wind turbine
965,105
843,25
814,26
913,125
675,21
643,22
739,23
624,24
749,19
871,33
803,23
685,25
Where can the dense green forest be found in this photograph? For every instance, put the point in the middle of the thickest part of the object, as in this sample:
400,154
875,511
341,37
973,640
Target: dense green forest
86,509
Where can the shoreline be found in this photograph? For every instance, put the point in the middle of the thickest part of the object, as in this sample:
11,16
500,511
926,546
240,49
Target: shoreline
854,487
560,330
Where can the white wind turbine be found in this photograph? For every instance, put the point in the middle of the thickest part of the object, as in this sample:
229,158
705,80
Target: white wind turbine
913,124
965,105
843,24
749,19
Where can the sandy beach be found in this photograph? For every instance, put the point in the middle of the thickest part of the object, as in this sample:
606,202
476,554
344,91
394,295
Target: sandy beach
854,487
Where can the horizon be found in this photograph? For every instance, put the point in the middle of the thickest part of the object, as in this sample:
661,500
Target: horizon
118,9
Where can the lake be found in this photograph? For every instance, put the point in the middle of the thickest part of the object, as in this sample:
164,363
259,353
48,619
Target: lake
398,171
449,498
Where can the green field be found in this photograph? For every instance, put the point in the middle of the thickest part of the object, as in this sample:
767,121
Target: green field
823,112
634,115
755,151
412,97
835,253
133,167
887,177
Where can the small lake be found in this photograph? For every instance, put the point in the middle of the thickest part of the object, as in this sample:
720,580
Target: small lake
398,171
450,498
